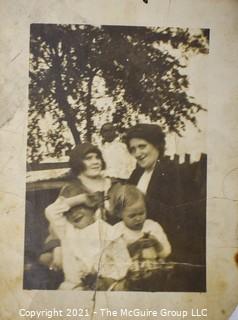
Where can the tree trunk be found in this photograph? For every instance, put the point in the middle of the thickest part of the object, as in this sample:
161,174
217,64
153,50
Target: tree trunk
61,96
89,110
65,107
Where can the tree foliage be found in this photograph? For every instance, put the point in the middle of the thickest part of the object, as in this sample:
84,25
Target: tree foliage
138,71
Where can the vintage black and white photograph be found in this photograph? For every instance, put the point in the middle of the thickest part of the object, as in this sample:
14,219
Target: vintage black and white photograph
116,158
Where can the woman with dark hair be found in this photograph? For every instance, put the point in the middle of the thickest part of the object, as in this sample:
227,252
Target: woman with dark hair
156,177
174,193
87,165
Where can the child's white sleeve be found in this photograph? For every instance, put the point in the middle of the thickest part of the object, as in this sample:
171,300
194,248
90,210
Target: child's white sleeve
117,230
157,231
55,215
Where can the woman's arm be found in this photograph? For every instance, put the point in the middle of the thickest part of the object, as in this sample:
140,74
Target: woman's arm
77,200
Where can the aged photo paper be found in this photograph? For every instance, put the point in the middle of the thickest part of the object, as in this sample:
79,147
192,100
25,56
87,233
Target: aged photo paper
200,123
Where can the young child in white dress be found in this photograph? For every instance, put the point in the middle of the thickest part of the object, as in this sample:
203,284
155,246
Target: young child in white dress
139,243
83,236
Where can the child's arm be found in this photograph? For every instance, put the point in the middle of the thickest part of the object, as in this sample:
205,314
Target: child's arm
57,262
46,259
55,215
157,231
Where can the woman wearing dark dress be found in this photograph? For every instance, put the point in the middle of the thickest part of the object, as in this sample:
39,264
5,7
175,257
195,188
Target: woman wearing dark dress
156,177
165,185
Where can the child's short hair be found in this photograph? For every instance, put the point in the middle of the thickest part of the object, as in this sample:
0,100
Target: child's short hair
124,196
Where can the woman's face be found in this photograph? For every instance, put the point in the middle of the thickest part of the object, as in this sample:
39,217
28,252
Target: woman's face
144,152
93,165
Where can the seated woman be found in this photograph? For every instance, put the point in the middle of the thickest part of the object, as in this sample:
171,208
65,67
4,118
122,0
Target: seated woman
140,244
87,165
162,183
175,197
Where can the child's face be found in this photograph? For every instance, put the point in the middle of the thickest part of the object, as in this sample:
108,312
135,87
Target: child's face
135,215
80,217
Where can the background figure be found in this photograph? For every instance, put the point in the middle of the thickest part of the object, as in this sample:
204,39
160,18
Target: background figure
119,162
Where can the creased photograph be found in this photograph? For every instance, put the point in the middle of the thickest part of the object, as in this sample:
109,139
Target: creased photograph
118,159
112,203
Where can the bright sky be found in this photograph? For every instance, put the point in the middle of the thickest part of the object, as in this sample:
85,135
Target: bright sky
193,141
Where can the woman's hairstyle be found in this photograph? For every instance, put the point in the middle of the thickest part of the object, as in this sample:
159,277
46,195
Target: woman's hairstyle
78,154
152,133
124,196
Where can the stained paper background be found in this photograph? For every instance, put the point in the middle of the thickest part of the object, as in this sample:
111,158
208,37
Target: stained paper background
221,16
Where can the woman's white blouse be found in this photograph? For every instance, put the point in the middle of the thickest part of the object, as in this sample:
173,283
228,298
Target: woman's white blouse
144,181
